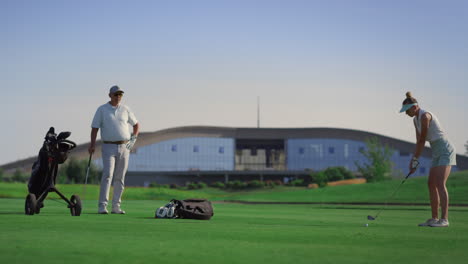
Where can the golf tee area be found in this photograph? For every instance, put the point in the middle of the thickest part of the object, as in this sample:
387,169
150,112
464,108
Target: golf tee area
278,225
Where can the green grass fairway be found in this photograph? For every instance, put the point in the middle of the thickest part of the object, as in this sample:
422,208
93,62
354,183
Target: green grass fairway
413,191
236,234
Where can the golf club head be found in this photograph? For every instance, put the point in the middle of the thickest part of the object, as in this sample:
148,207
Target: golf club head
369,217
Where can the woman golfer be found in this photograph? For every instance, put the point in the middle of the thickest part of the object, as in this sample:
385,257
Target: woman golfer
429,129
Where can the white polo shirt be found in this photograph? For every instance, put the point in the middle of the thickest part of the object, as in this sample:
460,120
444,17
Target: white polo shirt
114,121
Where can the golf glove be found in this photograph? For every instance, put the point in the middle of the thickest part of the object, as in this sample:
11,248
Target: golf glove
131,142
414,163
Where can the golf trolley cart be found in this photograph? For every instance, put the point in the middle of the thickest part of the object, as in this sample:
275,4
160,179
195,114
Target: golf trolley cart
54,151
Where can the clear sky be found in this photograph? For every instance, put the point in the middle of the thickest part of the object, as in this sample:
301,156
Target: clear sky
329,63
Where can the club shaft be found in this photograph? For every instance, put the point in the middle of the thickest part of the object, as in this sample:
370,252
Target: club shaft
87,174
87,169
392,195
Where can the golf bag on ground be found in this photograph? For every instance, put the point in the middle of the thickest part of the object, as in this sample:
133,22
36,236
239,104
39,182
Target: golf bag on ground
200,209
54,151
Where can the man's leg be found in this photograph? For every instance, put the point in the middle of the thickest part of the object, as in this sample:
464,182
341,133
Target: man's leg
108,163
121,166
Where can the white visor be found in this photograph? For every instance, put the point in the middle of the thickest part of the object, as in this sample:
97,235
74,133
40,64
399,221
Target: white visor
405,107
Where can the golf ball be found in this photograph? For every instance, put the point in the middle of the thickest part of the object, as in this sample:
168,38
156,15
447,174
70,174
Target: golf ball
366,225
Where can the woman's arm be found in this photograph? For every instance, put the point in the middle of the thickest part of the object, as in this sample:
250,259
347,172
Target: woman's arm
420,141
421,138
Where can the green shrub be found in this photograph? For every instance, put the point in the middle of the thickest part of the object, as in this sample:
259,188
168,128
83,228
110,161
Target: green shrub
20,176
379,165
334,174
218,184
74,171
272,184
196,185
192,186
255,184
156,185
347,174
7,177
297,182
201,185
320,178
237,185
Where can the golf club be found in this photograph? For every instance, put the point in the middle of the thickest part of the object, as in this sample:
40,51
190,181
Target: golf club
87,174
372,218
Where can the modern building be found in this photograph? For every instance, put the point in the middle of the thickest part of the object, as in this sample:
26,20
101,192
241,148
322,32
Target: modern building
203,153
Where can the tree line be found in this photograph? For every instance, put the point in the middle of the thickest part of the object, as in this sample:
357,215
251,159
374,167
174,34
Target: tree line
73,171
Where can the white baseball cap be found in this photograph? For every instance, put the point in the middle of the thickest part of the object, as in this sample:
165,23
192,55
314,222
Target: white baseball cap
115,89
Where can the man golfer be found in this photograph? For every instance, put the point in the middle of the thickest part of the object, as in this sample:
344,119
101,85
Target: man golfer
113,118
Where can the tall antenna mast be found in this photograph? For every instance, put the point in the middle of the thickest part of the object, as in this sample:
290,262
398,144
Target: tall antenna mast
258,111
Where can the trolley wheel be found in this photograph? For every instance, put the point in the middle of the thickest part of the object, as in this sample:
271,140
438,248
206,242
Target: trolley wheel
30,204
75,207
39,205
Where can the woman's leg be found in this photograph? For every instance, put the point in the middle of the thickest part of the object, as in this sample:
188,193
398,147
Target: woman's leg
441,174
433,193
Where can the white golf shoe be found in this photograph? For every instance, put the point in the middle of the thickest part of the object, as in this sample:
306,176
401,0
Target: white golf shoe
429,222
441,223
117,211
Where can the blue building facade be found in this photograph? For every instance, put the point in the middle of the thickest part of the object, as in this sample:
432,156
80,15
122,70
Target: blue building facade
184,154
321,153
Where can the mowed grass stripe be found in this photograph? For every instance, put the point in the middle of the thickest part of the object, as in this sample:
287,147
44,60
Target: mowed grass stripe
237,234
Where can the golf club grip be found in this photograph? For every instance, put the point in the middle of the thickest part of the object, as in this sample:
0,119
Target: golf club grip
89,161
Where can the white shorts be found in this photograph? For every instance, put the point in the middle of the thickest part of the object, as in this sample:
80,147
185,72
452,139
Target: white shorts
443,153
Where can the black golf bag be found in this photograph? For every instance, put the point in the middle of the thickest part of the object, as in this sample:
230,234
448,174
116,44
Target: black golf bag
200,209
54,151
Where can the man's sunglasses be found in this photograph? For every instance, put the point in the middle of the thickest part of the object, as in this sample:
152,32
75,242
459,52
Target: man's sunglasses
118,94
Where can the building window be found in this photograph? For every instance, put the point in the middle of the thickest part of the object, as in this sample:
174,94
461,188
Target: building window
196,149
174,148
301,151
221,150
331,150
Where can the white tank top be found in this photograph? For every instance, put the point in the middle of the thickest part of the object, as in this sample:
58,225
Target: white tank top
435,129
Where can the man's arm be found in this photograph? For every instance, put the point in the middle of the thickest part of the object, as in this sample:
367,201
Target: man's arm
136,129
92,145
